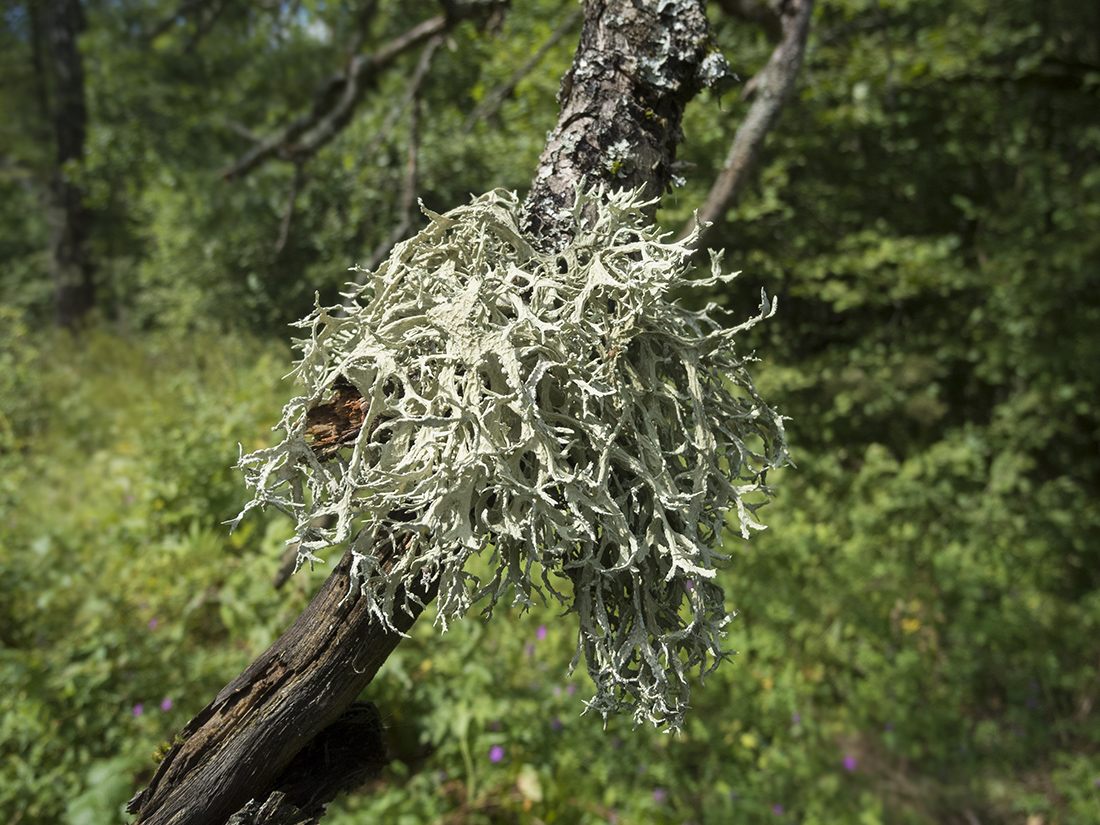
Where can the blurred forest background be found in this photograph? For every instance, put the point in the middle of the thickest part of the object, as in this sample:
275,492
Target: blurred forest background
919,628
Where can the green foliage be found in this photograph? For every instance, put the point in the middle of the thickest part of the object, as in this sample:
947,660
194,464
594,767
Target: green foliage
924,604
119,588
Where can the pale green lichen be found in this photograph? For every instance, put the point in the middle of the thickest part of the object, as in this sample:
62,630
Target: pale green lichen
557,411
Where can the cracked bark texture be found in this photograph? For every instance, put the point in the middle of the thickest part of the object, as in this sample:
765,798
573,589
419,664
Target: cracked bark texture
238,748
638,64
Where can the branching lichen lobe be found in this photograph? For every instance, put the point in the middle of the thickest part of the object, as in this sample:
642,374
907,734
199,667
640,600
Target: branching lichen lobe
554,409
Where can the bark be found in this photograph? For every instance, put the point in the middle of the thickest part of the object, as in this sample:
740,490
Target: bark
238,747
70,221
638,64
770,89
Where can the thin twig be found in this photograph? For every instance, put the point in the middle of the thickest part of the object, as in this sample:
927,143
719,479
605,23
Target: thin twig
492,101
408,195
327,117
412,91
242,130
288,213
770,89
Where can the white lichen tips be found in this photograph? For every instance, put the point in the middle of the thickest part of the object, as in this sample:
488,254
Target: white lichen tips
554,410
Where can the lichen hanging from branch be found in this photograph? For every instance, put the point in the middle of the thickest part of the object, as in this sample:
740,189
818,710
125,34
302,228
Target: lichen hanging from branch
556,410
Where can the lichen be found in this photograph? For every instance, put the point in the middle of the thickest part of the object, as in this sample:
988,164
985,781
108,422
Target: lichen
556,411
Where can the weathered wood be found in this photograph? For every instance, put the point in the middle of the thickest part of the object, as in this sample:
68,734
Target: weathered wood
235,749
275,810
638,64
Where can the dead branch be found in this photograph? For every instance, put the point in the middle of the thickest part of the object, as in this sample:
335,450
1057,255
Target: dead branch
770,89
327,116
238,747
337,98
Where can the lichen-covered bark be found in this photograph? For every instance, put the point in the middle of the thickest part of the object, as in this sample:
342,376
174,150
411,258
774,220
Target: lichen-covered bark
638,64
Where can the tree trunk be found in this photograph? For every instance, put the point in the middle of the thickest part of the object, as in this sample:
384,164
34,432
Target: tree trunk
637,66
237,747
70,221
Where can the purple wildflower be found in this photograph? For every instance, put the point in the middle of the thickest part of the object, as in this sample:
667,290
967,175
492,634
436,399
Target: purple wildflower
540,634
496,753
139,709
777,810
166,704
556,723
659,795
849,763
153,624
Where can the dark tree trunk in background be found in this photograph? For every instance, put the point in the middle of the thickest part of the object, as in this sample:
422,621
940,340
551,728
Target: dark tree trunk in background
636,68
70,221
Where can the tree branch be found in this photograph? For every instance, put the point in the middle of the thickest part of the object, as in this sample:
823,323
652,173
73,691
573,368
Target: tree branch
770,88
337,98
638,64
328,116
237,747
636,67
408,195
288,213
